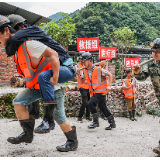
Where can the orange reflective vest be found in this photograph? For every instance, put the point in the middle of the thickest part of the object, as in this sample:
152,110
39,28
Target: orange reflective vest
128,93
25,69
84,85
98,83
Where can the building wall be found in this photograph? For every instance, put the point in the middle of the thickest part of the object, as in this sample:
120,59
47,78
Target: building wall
7,69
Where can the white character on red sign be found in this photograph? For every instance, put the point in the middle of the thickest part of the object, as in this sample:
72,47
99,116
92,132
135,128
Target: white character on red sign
94,44
128,63
132,62
103,52
108,53
88,44
136,62
113,53
81,44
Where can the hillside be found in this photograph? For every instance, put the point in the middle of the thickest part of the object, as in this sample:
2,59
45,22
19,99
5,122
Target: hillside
156,4
56,16
99,19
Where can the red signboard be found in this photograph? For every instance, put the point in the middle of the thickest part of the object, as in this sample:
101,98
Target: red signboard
129,62
107,52
87,44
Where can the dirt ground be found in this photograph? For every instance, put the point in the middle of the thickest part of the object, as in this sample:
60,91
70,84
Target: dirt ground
128,139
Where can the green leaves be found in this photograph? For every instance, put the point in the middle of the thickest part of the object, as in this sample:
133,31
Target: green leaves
124,37
100,18
61,31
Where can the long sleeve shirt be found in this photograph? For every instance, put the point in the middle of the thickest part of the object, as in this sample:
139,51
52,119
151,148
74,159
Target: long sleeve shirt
152,69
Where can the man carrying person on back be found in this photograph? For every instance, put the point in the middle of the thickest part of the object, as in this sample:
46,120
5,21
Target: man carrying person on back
43,62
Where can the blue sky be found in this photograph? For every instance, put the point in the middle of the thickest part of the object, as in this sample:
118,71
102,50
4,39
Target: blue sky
49,8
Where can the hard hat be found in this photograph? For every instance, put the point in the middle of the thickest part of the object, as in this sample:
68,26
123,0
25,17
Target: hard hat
81,52
16,19
4,21
86,55
128,70
155,44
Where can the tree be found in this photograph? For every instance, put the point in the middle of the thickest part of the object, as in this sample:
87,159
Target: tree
61,30
124,39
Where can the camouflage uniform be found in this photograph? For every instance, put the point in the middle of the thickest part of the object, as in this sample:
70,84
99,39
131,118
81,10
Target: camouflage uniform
153,70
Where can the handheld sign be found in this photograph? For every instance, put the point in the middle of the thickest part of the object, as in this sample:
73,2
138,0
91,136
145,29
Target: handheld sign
107,52
87,44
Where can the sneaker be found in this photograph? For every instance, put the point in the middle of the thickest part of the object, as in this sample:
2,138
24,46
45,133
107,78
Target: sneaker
89,119
79,120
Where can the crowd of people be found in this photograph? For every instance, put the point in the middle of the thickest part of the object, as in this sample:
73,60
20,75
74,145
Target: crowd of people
46,66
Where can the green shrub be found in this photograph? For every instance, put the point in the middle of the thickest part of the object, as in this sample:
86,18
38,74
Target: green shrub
152,110
6,107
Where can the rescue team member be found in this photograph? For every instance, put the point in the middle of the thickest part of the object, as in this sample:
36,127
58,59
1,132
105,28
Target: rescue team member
99,87
38,62
129,86
84,90
18,22
153,70
102,65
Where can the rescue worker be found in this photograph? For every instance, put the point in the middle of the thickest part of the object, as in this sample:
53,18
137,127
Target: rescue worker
43,63
129,87
152,69
84,90
102,65
47,124
99,87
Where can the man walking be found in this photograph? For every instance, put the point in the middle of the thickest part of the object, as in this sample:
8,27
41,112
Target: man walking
99,87
18,23
84,90
43,63
152,70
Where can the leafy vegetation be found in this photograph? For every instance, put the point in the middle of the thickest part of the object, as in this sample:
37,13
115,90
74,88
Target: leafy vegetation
61,31
152,110
6,107
100,19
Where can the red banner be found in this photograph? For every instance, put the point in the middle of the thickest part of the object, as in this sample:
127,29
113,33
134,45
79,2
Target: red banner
107,52
129,62
87,44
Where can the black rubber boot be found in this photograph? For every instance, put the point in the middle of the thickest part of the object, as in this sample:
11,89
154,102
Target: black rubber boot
111,122
131,116
27,134
72,142
133,113
33,110
95,121
48,121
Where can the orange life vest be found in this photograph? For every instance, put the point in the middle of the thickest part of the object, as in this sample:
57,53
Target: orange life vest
98,83
128,93
25,69
84,85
